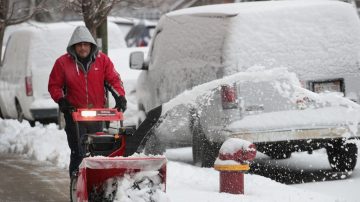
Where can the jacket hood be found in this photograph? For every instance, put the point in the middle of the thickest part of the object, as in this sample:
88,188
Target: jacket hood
81,34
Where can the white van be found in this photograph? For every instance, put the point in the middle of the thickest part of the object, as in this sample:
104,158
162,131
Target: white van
318,40
29,57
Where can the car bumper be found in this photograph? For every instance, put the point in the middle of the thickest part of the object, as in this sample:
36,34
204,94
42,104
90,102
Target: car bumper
290,135
38,114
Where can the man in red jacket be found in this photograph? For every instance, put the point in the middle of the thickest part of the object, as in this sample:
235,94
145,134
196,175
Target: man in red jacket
78,80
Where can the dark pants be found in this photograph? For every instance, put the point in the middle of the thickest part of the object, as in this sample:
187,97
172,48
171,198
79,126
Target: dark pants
77,154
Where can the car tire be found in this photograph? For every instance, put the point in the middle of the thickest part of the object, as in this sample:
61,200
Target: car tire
342,156
20,113
204,151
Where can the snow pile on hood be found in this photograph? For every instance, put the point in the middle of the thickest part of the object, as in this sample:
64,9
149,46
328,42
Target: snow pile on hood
300,119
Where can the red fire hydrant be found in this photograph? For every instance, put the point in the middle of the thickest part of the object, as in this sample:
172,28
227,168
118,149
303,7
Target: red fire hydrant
234,158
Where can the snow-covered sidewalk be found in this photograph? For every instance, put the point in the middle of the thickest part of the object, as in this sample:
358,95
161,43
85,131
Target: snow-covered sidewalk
185,182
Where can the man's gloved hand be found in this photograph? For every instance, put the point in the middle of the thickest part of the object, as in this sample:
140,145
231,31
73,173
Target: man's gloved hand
65,105
120,103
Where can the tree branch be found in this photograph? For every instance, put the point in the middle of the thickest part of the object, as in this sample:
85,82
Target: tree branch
39,8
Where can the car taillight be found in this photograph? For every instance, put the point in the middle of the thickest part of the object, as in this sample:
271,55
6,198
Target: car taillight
28,86
229,97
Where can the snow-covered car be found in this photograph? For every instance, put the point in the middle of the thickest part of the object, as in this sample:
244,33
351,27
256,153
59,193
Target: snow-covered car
269,108
318,40
29,57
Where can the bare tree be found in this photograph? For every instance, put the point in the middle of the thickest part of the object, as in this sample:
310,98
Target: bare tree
11,13
95,12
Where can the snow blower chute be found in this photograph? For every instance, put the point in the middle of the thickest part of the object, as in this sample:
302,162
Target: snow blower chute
104,160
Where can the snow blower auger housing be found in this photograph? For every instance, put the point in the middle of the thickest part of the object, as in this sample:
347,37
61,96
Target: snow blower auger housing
104,157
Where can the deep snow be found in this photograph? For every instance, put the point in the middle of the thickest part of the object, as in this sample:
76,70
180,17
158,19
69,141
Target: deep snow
186,182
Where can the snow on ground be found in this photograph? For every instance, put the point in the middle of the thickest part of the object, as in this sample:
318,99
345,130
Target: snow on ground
185,182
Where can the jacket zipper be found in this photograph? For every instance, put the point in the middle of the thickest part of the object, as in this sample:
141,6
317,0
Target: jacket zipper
86,89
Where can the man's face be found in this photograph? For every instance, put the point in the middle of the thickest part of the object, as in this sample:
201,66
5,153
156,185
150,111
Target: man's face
83,49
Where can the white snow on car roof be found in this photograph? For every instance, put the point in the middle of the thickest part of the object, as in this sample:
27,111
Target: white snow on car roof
235,9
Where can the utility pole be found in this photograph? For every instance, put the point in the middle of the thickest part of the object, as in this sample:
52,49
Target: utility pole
102,40
102,34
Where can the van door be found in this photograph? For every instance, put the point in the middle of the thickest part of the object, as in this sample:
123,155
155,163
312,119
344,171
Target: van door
13,72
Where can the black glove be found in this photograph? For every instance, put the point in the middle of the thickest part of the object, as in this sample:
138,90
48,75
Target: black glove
65,105
120,103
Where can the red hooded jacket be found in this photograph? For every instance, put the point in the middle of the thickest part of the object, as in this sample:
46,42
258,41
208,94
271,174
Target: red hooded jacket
84,89
84,86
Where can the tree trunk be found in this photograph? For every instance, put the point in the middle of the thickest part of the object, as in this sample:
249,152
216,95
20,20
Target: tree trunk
87,9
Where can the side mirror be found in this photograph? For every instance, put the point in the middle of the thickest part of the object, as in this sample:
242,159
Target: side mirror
137,61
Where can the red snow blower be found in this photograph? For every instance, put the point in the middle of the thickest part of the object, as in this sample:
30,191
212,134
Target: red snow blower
104,157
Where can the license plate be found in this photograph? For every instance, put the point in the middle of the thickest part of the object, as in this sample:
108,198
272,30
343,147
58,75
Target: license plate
335,85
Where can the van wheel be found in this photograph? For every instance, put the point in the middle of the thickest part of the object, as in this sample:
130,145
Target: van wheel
342,156
1,115
32,123
204,151
20,113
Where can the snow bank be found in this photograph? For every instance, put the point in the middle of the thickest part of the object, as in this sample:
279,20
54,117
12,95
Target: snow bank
42,143
189,183
184,182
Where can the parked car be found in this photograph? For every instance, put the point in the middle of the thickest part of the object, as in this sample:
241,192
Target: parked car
268,108
29,57
318,40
